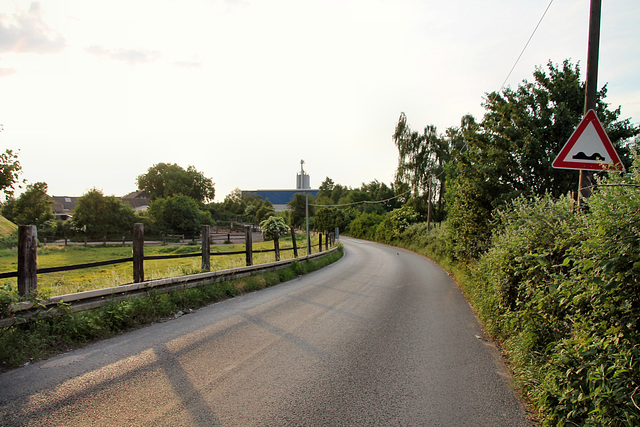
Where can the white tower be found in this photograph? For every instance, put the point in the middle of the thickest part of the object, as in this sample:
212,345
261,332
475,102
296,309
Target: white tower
302,179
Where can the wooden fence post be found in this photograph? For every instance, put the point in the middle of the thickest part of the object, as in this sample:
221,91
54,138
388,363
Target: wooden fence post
320,241
138,253
276,245
27,259
293,240
249,245
206,248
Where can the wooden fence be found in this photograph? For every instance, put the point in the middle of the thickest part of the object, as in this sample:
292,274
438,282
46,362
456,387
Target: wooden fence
28,270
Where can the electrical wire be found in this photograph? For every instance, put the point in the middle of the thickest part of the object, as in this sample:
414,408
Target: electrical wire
371,202
525,47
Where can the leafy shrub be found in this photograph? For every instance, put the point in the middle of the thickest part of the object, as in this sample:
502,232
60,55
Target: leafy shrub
10,241
365,225
562,290
394,223
273,225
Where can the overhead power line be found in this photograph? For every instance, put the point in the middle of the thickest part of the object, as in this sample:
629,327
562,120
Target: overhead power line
370,202
525,47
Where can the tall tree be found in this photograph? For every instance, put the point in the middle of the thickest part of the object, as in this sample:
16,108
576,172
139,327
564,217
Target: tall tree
297,209
97,215
169,179
33,207
178,214
530,125
511,151
421,158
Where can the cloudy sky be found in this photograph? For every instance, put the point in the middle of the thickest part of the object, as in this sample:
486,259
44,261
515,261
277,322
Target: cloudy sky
93,93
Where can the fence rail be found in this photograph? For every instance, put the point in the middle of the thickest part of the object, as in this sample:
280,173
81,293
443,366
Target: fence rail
26,311
28,271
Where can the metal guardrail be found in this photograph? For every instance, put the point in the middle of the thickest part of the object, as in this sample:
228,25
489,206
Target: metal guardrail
25,311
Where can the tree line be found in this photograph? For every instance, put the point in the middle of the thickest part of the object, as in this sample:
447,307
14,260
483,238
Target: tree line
177,197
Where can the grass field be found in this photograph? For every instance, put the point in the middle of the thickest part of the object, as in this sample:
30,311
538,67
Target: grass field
6,227
52,284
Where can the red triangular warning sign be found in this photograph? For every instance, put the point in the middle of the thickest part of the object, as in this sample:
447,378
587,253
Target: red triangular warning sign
589,148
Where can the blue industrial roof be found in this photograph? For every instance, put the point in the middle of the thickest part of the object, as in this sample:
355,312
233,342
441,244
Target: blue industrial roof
280,197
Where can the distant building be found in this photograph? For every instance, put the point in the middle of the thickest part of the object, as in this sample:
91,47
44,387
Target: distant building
63,206
281,198
138,200
302,179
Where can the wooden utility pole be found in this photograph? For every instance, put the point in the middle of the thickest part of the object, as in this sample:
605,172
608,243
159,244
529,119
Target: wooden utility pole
591,84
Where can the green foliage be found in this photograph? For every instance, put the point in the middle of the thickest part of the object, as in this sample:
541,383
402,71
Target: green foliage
298,209
8,209
365,225
394,223
178,214
258,210
238,206
511,151
330,219
330,192
421,160
33,207
273,225
10,170
562,291
97,215
165,180
9,241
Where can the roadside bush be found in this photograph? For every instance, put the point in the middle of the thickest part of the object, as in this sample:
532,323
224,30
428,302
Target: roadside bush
273,225
364,226
394,223
10,241
562,291
427,241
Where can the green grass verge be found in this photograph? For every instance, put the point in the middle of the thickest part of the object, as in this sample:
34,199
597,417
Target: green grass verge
47,337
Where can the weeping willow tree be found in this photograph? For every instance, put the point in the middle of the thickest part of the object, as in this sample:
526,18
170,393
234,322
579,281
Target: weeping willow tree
421,159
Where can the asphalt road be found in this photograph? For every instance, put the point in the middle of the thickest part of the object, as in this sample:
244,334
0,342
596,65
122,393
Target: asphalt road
382,337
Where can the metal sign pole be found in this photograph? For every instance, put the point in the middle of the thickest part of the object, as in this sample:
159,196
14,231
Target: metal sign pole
591,84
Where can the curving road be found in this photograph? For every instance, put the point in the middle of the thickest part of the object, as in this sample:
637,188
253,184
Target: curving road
382,337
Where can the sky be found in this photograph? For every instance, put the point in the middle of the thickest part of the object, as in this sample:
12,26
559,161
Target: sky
94,93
